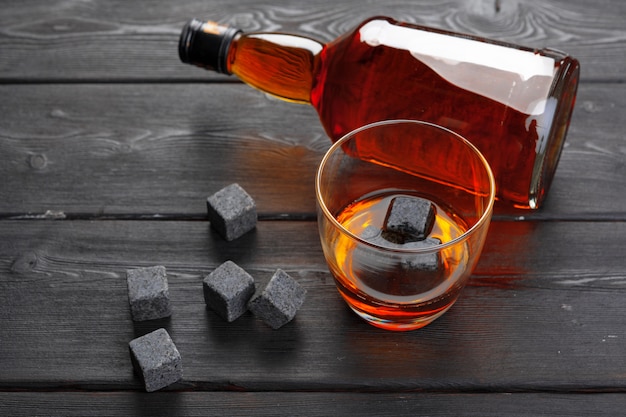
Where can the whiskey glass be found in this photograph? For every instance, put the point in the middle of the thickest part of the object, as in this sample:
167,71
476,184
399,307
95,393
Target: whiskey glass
396,279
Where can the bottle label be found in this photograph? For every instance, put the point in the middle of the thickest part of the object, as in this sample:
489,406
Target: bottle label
518,78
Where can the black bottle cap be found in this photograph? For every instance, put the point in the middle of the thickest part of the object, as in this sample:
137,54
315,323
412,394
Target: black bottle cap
206,44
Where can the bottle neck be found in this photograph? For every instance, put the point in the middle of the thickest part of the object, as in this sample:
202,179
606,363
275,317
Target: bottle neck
279,64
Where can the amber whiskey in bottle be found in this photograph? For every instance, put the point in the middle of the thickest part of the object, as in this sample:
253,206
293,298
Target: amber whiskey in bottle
513,103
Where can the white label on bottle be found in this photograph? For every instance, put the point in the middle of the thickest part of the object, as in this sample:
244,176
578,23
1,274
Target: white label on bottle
520,79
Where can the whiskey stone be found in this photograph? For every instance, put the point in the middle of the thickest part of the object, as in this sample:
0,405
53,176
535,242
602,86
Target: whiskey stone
227,290
156,360
370,233
406,274
423,262
409,219
232,212
278,303
148,293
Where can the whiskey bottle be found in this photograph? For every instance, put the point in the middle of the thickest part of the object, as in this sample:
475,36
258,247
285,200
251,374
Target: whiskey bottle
512,102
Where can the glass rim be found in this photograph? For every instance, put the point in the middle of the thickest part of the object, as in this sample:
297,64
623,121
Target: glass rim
466,235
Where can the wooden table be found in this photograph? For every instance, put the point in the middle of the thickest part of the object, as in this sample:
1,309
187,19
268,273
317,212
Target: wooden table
109,147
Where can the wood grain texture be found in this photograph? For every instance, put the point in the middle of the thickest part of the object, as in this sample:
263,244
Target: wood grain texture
278,404
160,150
536,315
156,149
109,147
117,40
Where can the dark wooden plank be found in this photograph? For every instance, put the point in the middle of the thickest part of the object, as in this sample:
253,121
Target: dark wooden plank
100,120
109,40
162,149
156,149
544,312
277,404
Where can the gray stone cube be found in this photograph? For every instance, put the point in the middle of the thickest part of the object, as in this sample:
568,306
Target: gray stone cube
278,303
227,290
405,273
232,212
148,293
423,262
409,219
156,359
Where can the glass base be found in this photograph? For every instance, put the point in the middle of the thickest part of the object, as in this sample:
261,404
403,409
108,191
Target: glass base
403,326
